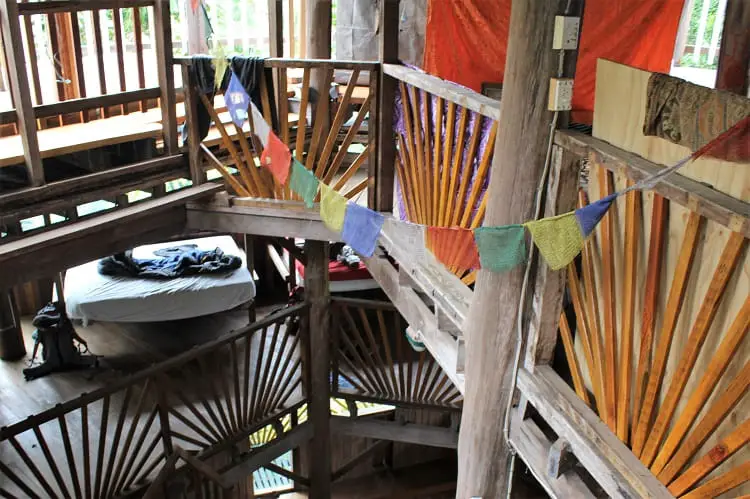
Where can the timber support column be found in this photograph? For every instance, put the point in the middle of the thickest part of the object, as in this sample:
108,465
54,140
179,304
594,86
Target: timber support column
318,296
11,337
517,166
319,21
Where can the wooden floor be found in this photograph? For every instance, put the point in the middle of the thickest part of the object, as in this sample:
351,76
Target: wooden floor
124,348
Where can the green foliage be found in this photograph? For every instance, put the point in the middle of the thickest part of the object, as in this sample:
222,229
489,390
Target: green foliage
695,21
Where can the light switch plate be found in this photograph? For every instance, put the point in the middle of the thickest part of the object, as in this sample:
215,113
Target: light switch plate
566,33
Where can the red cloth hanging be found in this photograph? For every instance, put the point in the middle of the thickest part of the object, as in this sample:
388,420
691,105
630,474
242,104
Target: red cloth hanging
466,41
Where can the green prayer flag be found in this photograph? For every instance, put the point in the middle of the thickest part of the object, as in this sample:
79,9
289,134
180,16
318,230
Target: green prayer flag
501,248
304,183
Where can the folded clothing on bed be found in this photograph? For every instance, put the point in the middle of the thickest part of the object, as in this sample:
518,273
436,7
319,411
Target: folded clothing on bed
177,261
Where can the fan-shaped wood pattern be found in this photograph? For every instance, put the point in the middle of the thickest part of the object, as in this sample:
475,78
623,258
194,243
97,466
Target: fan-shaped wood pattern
661,316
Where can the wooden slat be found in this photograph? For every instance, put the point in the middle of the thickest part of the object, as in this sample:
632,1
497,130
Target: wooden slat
299,149
116,13
632,232
19,85
97,28
455,169
728,481
352,169
427,140
704,319
77,48
321,118
348,139
669,323
322,169
708,383
235,185
138,38
712,459
575,370
33,61
411,155
437,143
467,172
447,153
50,6
659,221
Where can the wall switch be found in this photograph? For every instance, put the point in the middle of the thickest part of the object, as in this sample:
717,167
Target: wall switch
566,33
560,94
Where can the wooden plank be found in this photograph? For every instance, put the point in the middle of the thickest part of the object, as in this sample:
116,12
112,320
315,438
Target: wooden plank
164,62
57,249
710,203
317,295
19,85
197,174
97,28
76,105
533,447
116,16
410,433
449,91
615,467
138,37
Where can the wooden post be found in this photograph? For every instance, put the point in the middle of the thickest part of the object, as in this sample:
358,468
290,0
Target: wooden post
195,159
20,90
276,27
319,20
318,295
734,55
164,63
11,336
517,166
386,162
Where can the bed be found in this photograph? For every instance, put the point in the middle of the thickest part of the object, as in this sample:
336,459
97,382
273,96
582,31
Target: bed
342,278
90,296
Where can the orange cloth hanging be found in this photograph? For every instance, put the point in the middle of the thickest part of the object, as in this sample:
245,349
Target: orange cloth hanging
466,41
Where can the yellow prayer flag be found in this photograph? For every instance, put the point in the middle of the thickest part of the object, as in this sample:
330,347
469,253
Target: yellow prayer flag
558,238
332,208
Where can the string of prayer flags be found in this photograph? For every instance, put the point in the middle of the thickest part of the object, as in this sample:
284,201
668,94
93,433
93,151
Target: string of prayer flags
237,100
501,248
559,238
276,157
304,183
590,215
362,228
731,145
454,247
332,208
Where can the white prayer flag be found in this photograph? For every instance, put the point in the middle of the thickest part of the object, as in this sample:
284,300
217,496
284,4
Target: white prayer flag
261,127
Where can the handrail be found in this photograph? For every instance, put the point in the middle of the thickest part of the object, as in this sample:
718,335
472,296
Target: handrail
449,91
53,6
279,62
7,432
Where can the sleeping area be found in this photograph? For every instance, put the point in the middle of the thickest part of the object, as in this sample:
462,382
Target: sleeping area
161,282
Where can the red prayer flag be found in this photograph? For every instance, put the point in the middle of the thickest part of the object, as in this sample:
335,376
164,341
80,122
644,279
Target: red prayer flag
454,247
731,145
277,158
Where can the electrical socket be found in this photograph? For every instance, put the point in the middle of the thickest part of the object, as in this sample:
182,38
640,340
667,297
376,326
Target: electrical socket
566,33
560,94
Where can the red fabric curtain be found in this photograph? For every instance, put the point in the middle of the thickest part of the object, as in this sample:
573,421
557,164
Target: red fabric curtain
466,41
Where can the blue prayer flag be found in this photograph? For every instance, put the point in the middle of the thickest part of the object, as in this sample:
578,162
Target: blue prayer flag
590,215
361,228
236,100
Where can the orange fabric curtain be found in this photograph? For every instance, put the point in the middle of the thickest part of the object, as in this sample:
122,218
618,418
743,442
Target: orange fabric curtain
466,41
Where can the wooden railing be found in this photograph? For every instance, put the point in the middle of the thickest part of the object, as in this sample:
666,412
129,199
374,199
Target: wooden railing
373,361
445,136
114,441
313,126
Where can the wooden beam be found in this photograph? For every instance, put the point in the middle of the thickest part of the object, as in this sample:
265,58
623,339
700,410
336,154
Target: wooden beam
386,142
55,250
264,455
697,196
613,464
492,338
533,447
319,18
51,6
734,61
195,159
432,436
317,294
164,55
20,90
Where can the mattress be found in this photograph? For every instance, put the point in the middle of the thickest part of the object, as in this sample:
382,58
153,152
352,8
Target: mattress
92,296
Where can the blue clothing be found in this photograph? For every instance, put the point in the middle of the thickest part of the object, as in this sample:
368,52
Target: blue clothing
178,261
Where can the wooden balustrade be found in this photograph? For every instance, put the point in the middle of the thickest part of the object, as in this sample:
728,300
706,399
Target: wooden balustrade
115,440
